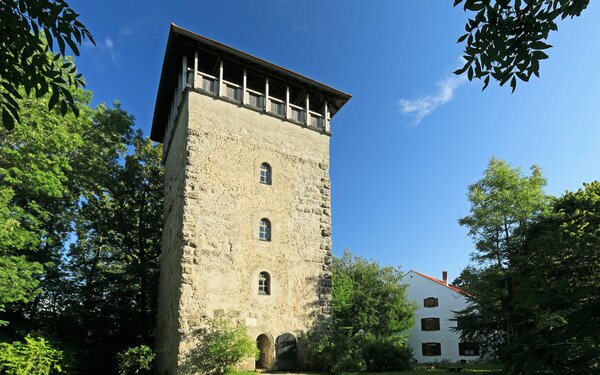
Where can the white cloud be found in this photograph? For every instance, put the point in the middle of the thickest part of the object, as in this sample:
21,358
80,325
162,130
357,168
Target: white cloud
109,43
109,47
424,105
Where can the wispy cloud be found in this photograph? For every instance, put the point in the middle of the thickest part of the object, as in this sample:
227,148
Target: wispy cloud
109,47
105,53
424,105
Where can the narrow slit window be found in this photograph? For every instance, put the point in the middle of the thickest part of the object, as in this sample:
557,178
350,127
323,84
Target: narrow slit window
264,283
264,232
265,174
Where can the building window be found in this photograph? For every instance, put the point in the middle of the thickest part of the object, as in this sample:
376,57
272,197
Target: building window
264,232
265,174
264,283
468,348
430,324
431,348
430,302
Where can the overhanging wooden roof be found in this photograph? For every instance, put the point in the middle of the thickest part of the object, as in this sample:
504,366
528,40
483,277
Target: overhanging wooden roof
184,42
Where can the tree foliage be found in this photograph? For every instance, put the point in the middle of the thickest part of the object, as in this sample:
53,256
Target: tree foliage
506,39
369,297
81,210
28,60
371,314
504,203
560,284
135,360
535,301
33,356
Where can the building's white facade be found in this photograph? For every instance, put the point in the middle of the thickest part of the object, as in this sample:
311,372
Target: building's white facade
432,338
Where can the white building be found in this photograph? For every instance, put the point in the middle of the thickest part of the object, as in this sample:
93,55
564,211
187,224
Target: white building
432,338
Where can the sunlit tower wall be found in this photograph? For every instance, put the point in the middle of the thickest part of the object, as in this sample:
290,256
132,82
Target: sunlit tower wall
247,231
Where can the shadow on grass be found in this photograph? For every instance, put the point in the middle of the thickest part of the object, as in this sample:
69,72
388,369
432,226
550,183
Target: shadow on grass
482,369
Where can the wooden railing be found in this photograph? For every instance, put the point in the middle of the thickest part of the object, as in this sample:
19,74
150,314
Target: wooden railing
208,83
277,106
232,91
256,99
317,120
297,113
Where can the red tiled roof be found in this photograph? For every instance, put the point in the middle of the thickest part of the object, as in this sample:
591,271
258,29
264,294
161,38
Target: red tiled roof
442,283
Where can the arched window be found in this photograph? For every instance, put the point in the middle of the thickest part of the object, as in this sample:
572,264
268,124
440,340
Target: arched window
264,283
265,174
264,231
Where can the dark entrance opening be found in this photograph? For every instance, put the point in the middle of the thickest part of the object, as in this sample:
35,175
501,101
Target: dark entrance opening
265,346
287,358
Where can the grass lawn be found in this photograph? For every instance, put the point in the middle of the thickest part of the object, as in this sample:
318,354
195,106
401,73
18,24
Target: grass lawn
483,369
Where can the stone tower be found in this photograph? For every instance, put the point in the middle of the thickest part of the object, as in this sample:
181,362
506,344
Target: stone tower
247,230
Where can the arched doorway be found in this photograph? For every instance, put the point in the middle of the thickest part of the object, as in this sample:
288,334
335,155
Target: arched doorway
265,346
287,358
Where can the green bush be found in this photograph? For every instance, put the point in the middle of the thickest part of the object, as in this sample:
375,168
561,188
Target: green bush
338,351
135,360
35,356
387,354
221,345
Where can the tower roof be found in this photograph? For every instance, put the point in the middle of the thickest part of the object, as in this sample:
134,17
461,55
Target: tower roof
184,42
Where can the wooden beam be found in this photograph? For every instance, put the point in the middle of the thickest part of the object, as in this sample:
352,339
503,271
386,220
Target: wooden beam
220,90
326,116
184,73
307,115
244,85
266,94
195,70
287,101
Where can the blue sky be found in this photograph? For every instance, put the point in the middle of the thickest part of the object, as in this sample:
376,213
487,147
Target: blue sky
413,137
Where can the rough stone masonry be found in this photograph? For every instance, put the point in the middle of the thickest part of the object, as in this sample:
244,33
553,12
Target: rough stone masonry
214,261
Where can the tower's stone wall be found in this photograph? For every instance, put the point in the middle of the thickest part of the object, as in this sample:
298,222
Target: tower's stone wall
168,333
213,256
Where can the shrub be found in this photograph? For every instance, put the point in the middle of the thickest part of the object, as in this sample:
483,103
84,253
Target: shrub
35,356
222,345
387,354
135,360
338,352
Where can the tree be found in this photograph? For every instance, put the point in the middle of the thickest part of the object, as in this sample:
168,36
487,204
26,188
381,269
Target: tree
27,58
503,204
371,314
114,260
506,39
369,297
73,198
560,284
